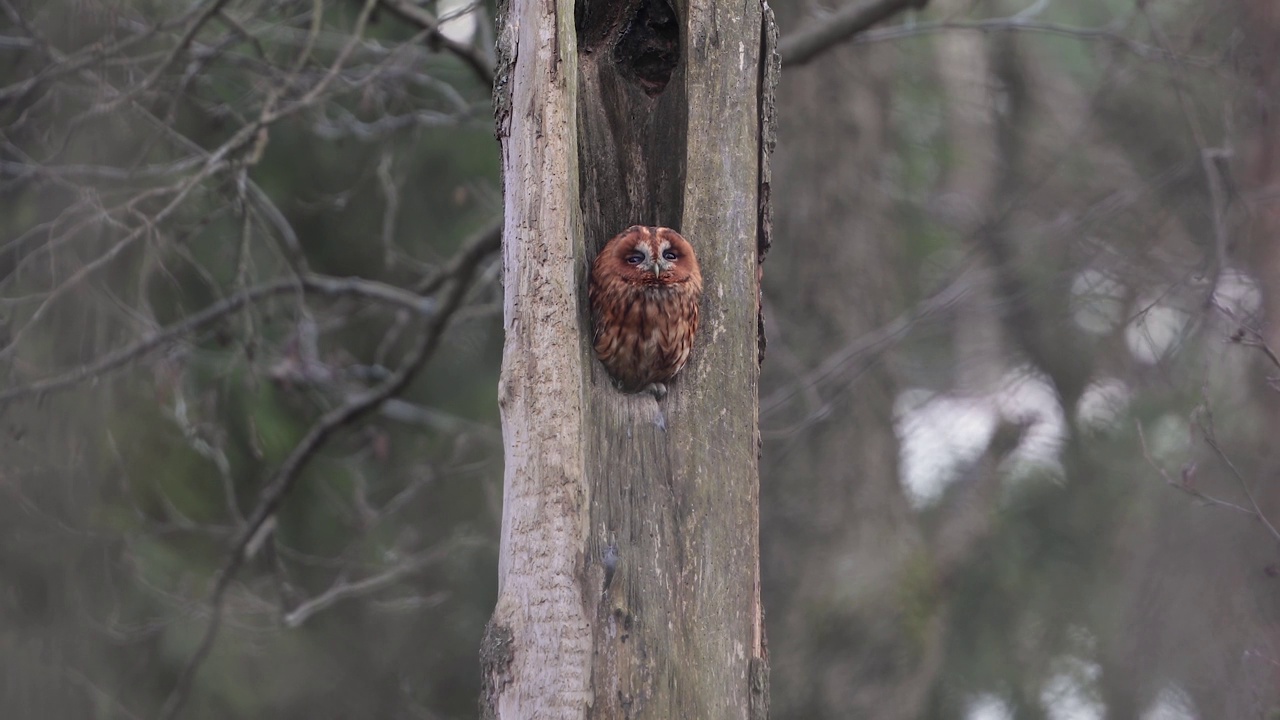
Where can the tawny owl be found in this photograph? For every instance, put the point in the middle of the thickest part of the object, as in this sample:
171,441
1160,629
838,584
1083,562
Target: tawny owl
644,292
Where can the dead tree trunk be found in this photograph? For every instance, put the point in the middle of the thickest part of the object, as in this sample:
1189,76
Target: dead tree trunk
629,572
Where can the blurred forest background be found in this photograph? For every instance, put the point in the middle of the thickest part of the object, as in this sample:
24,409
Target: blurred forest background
1019,401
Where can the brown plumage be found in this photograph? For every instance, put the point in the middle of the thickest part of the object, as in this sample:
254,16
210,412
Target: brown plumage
644,292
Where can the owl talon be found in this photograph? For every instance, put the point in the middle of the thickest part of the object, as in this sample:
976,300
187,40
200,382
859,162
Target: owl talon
659,390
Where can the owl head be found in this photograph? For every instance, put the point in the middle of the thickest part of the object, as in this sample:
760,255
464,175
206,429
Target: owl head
651,256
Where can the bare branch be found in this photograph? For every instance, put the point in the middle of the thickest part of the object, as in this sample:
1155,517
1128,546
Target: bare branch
479,246
344,590
211,8
317,91
1208,156
1016,24
318,284
1185,485
1247,336
1205,423
286,477
838,364
802,46
469,54
805,44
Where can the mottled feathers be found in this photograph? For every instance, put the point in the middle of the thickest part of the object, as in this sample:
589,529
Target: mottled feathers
644,291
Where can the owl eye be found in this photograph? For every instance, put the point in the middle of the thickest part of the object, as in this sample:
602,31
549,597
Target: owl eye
635,258
669,254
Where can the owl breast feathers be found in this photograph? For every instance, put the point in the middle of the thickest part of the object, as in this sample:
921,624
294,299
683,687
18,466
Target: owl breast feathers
644,292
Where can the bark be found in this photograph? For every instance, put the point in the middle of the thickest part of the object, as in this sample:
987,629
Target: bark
536,653
629,571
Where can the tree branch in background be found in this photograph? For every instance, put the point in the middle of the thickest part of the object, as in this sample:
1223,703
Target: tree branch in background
133,225
1016,24
1203,418
805,44
477,247
863,350
1185,484
210,9
342,590
469,54
356,407
1248,336
317,284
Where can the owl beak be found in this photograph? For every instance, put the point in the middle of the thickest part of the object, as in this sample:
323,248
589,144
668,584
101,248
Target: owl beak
657,270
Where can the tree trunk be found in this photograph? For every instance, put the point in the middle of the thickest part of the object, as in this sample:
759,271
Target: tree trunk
629,569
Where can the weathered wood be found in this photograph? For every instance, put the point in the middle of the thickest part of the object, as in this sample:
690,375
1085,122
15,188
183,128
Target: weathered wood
630,525
537,650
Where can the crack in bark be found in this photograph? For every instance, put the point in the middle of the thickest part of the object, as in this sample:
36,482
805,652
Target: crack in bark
770,69
497,651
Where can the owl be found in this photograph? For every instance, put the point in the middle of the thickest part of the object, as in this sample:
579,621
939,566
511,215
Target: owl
644,292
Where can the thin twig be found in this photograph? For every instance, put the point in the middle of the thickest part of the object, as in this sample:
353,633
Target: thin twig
1183,486
1248,336
93,55
317,91
286,477
469,54
211,8
841,360
344,590
1207,155
807,43
483,243
321,285
1211,439
251,135
1013,24
390,208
